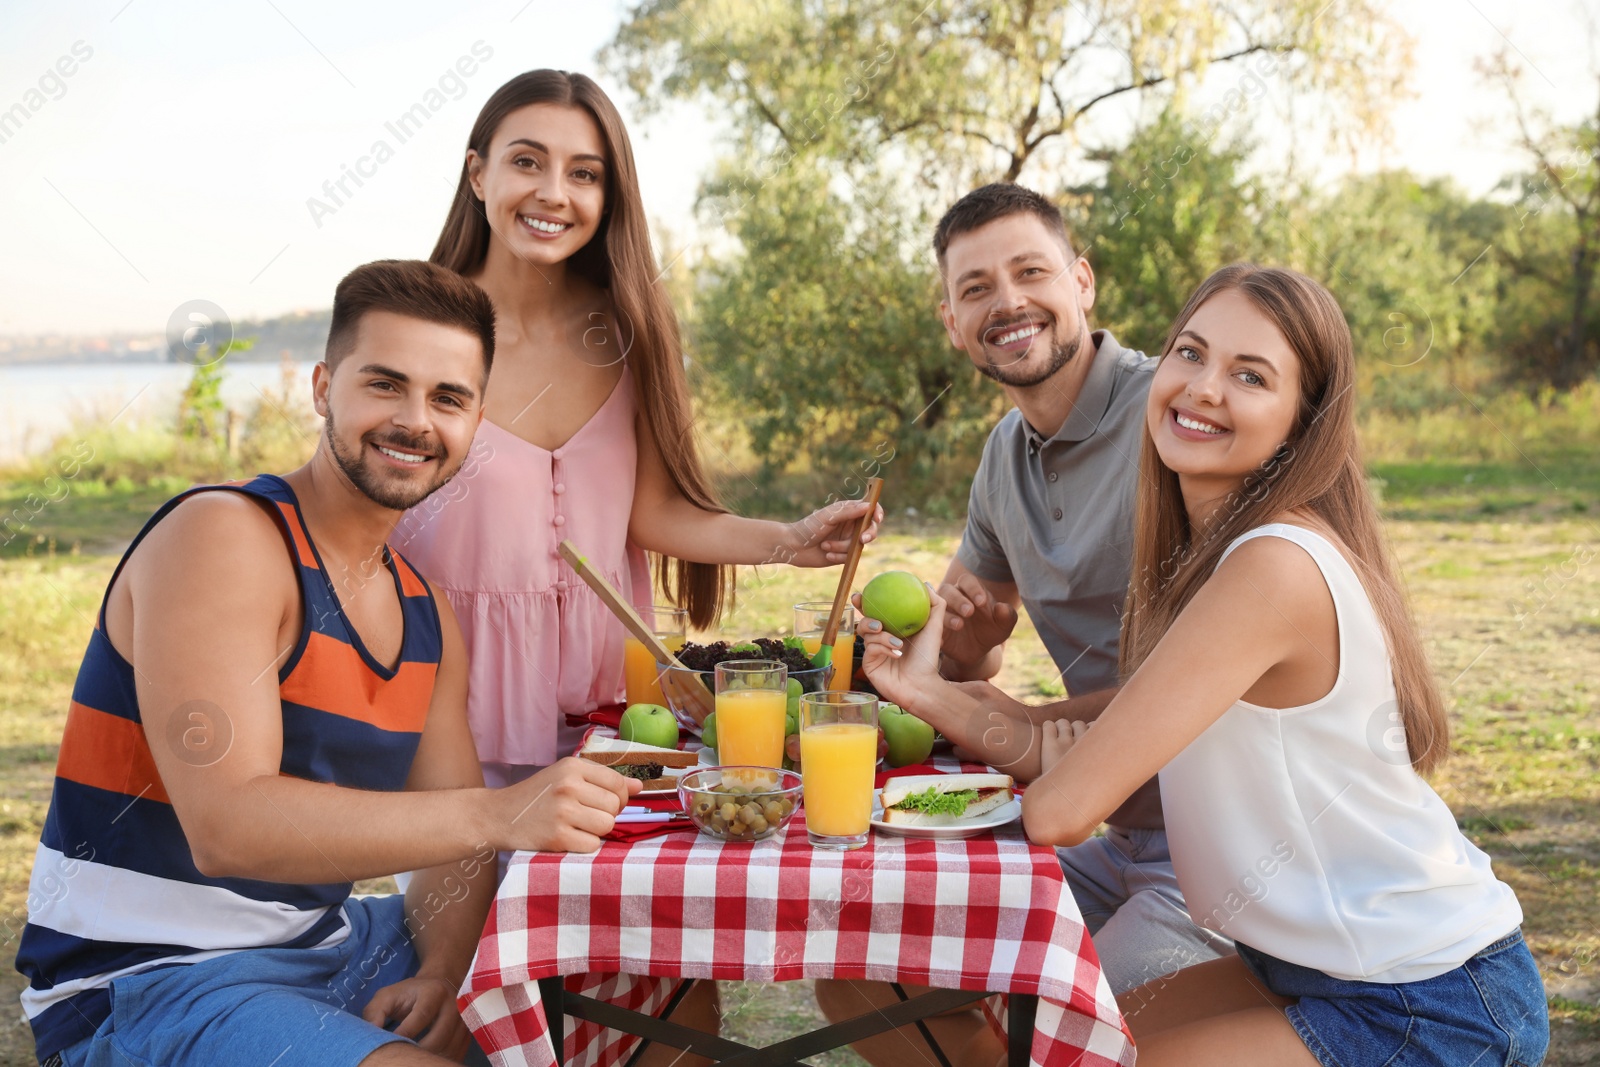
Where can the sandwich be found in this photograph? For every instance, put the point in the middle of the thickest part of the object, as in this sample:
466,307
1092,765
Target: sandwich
943,799
647,763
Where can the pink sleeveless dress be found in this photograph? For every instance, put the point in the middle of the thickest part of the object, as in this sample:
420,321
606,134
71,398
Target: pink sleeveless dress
539,642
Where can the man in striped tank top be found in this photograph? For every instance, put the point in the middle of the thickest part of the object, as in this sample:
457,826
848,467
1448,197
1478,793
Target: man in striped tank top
272,707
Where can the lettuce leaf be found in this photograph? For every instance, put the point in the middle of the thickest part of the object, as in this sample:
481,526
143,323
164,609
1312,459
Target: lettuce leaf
932,802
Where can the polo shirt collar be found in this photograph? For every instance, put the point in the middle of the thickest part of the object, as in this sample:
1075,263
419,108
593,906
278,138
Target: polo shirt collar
1093,400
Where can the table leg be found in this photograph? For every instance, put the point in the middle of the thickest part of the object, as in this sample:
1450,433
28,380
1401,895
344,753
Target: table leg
666,1013
789,1053
922,1027
1020,1012
552,994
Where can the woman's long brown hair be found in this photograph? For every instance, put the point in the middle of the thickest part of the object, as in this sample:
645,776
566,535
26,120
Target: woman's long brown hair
1317,472
618,259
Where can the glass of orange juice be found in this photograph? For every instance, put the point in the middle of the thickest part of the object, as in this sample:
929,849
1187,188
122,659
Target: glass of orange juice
639,671
838,760
810,620
752,709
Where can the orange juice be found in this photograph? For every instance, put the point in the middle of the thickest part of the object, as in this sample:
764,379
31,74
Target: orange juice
639,669
750,727
837,763
844,651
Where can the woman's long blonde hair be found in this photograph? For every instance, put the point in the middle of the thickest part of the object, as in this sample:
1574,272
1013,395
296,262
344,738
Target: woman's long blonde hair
1317,472
619,260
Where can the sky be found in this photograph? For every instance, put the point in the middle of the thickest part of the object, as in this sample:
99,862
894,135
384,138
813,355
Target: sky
176,160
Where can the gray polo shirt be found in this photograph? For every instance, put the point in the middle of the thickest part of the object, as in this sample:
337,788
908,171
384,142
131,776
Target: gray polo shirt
1054,515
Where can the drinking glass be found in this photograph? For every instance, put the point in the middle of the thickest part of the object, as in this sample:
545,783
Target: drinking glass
810,620
838,761
752,706
642,683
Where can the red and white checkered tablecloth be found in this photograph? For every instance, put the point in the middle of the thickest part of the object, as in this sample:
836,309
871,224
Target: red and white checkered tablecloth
988,913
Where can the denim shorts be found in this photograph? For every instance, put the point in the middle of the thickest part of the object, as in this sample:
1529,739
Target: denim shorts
286,1007
1488,1012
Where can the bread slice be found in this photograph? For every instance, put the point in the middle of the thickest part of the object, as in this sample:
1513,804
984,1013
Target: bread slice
644,762
613,751
991,792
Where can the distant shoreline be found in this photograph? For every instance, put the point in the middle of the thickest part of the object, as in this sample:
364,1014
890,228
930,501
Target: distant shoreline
301,335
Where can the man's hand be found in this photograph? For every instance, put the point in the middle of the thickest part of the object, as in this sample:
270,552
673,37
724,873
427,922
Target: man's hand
1059,737
822,538
425,1007
976,622
567,807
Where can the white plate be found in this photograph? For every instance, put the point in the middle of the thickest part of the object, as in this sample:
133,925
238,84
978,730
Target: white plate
1004,815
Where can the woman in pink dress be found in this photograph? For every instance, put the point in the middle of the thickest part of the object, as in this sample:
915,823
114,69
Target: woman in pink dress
588,430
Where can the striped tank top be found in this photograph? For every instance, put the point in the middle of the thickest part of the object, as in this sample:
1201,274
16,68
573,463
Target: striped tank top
115,890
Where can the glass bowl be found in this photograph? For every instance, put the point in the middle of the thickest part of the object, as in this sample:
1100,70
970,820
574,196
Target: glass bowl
760,801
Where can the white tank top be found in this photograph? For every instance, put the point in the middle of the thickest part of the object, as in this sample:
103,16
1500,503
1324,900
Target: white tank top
1306,834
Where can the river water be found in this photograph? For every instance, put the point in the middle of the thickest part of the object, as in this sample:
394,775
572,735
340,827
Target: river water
40,401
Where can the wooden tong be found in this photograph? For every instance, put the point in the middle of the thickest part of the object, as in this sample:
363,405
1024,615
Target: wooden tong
689,690
841,596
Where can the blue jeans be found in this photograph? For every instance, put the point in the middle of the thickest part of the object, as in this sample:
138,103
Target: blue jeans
286,1007
1488,1012
1129,896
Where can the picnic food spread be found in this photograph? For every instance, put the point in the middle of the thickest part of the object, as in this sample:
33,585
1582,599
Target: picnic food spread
944,799
789,651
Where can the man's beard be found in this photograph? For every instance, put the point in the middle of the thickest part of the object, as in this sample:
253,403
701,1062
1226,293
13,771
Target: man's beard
1018,376
395,496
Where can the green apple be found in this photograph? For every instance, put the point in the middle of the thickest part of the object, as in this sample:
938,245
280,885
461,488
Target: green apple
649,724
899,600
910,739
708,732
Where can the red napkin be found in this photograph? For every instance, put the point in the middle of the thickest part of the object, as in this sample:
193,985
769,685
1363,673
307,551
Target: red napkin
605,715
637,831
625,831
901,772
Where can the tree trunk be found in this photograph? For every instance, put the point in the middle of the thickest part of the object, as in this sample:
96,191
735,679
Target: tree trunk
1572,362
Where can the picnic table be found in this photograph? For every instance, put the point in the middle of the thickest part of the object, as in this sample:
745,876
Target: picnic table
613,934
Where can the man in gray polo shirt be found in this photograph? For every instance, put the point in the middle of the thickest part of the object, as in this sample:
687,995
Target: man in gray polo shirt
1049,527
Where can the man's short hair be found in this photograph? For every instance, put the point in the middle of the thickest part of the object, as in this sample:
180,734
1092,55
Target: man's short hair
411,287
995,201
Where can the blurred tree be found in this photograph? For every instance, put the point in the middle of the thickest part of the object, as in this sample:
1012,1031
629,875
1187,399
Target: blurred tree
1552,330
856,124
202,415
827,338
1170,208
990,90
1411,264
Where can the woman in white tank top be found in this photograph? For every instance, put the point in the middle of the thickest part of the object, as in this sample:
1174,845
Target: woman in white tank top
1276,681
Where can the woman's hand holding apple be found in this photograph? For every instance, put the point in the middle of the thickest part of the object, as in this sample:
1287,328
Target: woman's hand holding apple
904,671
